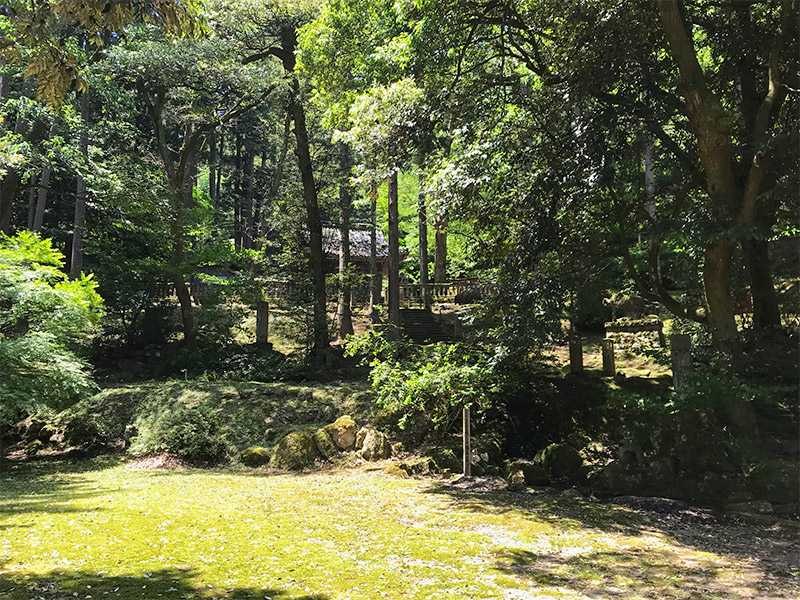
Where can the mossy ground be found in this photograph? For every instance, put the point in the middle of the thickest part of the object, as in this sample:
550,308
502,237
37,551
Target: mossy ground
101,530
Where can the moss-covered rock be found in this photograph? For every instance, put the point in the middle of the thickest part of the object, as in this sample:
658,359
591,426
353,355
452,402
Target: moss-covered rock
295,452
33,447
423,465
516,480
534,475
255,456
325,444
561,461
343,432
777,481
375,446
446,459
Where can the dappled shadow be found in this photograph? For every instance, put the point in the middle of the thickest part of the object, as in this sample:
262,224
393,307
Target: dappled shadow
43,487
647,573
771,552
173,582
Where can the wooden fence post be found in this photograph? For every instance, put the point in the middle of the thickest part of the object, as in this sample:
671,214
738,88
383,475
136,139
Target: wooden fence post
467,458
680,348
575,354
609,368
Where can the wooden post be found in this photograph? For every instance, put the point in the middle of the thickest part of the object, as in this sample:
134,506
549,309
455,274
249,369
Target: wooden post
262,323
680,348
467,458
609,369
575,354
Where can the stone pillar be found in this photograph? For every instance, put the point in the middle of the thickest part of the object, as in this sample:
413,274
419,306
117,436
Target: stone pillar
262,323
680,348
609,368
575,354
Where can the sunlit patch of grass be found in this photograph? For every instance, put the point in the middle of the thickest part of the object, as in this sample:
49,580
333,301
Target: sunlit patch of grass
101,530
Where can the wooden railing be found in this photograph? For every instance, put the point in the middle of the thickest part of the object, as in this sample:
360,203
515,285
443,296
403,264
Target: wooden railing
467,290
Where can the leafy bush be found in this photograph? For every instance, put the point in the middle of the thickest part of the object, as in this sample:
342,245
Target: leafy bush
190,433
429,384
43,318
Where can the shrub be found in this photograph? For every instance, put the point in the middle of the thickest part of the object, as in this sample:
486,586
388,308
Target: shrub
43,319
190,433
429,383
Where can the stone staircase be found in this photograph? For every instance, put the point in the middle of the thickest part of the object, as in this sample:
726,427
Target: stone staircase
421,326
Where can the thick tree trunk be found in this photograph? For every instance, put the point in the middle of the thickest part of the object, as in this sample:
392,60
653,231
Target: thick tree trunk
76,259
344,319
375,276
766,313
422,215
314,222
716,281
394,259
41,199
313,218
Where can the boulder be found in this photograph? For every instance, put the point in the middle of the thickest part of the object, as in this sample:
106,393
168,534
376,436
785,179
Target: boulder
343,432
362,433
561,461
306,395
255,456
33,447
296,451
424,465
614,479
535,475
46,432
776,481
325,444
446,459
375,446
516,480
756,507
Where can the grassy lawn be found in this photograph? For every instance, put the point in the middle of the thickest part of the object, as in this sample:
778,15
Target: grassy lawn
101,530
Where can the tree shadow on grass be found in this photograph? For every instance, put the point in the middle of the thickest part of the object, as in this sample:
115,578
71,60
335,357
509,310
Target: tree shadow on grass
771,553
646,573
173,582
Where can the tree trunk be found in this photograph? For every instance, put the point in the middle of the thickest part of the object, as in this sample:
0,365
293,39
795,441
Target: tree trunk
766,313
41,198
31,206
76,260
313,219
220,160
247,204
375,276
277,178
212,169
440,250
422,215
716,282
237,196
344,319
394,259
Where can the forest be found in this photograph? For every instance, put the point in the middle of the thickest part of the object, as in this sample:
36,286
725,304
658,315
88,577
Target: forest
409,299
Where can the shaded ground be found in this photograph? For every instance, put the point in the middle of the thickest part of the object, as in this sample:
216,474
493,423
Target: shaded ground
359,534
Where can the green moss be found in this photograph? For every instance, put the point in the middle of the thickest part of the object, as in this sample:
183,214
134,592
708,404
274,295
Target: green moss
324,444
343,432
255,456
295,452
